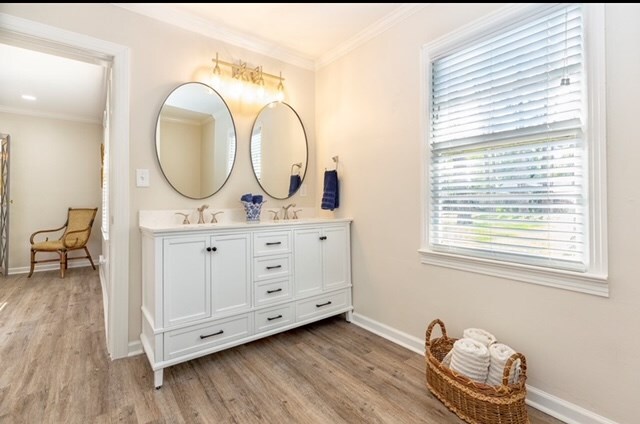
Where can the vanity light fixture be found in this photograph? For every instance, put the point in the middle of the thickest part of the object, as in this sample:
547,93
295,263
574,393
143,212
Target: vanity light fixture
246,82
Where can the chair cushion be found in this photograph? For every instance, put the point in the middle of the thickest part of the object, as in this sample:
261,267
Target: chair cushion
49,246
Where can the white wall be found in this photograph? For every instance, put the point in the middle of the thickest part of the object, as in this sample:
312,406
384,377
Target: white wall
579,347
163,57
54,165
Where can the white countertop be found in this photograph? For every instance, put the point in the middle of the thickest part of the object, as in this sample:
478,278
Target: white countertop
165,222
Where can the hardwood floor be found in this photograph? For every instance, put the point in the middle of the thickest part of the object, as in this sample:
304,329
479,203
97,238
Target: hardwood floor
54,369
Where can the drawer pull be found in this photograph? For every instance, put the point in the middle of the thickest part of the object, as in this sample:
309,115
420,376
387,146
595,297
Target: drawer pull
272,318
274,267
273,243
274,291
211,335
323,238
323,304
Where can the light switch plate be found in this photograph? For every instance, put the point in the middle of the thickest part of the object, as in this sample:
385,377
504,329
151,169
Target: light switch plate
142,177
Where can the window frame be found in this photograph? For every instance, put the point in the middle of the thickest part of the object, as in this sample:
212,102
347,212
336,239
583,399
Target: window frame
594,280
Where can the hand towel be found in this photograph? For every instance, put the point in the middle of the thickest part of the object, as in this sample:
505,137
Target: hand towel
500,353
247,198
480,335
257,199
294,184
331,195
471,358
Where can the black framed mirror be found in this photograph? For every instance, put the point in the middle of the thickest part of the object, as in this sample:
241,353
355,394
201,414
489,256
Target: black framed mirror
195,140
279,150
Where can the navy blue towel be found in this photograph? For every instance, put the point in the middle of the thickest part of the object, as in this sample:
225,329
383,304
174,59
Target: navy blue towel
294,184
331,195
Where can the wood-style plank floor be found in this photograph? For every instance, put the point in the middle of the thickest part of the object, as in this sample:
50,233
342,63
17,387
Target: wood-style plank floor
54,369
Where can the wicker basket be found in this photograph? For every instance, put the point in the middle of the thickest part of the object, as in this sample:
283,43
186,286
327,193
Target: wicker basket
475,403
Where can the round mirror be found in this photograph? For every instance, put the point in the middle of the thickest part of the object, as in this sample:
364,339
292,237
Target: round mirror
195,140
279,150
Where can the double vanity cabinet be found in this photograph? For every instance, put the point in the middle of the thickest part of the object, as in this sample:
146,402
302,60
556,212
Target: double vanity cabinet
210,287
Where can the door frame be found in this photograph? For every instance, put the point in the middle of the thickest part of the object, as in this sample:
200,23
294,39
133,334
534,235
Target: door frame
118,306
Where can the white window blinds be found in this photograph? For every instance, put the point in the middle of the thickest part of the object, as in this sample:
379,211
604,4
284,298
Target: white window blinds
508,170
256,151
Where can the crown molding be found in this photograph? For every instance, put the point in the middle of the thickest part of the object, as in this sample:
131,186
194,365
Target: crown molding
191,22
378,27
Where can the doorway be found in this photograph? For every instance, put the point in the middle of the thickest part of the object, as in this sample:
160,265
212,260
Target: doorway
69,44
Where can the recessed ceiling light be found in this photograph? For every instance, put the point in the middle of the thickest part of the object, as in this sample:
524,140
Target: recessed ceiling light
28,97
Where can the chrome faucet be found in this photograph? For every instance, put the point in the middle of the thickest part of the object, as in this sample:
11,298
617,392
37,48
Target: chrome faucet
285,209
201,213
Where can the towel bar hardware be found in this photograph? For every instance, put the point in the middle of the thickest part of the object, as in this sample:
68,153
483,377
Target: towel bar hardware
274,243
274,291
323,238
272,318
213,334
323,304
274,267
212,249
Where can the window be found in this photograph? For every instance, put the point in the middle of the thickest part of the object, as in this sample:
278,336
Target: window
516,151
231,149
256,151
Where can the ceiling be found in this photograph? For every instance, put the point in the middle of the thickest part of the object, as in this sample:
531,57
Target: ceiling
303,34
64,88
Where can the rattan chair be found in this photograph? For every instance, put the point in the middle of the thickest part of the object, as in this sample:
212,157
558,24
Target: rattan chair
76,234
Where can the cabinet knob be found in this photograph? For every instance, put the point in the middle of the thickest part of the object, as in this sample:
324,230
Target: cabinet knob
323,238
214,249
208,249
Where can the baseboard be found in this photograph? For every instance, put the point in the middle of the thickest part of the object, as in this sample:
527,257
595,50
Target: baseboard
80,263
135,348
398,337
536,398
561,409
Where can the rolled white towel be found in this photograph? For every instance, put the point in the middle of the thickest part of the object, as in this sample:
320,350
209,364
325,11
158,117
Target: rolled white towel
499,354
446,361
471,358
480,335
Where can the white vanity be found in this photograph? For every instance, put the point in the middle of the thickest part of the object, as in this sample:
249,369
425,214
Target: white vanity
209,287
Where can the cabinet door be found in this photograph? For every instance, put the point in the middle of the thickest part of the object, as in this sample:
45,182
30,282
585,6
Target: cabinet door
335,252
230,268
307,263
185,273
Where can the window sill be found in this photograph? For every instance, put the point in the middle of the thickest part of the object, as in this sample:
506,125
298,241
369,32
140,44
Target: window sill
595,284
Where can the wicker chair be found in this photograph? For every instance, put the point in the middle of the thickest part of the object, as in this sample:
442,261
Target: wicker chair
76,234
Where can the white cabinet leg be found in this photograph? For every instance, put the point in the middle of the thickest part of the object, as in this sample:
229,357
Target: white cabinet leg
348,316
157,378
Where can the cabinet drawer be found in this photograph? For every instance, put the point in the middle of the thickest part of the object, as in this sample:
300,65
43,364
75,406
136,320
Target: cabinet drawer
267,267
271,242
321,305
201,337
275,317
271,291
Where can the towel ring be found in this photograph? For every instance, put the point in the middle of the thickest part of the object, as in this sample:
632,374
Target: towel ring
299,165
335,160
